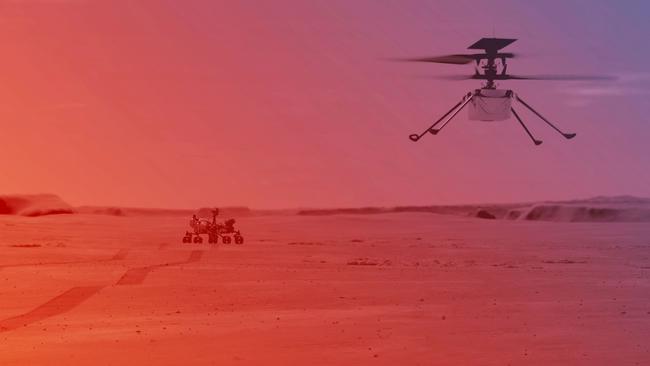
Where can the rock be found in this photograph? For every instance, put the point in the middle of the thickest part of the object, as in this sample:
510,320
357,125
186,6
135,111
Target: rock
483,214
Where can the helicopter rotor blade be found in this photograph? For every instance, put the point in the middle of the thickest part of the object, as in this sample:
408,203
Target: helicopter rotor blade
447,77
444,59
525,77
457,59
556,77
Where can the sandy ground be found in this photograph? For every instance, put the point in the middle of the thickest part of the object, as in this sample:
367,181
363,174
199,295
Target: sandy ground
390,289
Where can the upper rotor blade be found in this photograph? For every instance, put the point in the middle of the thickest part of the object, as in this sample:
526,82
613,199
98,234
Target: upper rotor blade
445,59
450,77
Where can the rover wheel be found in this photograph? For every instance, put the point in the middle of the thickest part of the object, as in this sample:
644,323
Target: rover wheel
239,239
198,239
226,240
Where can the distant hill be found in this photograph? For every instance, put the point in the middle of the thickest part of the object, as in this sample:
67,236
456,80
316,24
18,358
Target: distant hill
609,200
596,209
34,205
134,211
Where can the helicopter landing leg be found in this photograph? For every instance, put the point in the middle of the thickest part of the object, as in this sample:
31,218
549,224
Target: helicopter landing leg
416,137
567,136
469,97
537,142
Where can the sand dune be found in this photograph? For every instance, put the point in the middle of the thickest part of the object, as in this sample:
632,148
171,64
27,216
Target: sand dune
34,205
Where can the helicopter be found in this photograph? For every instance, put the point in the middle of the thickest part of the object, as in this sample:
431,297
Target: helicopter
490,103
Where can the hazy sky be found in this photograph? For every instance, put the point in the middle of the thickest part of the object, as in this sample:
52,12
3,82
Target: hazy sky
288,103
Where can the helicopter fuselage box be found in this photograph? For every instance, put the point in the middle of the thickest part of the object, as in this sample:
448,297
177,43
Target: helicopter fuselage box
490,105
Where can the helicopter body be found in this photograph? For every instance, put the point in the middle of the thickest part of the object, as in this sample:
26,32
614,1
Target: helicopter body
490,105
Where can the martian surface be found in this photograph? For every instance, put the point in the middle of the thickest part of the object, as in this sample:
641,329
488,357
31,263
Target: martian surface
561,284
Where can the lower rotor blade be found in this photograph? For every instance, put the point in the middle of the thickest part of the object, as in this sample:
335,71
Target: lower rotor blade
556,77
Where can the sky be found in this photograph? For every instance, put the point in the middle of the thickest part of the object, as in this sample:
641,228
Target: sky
278,104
